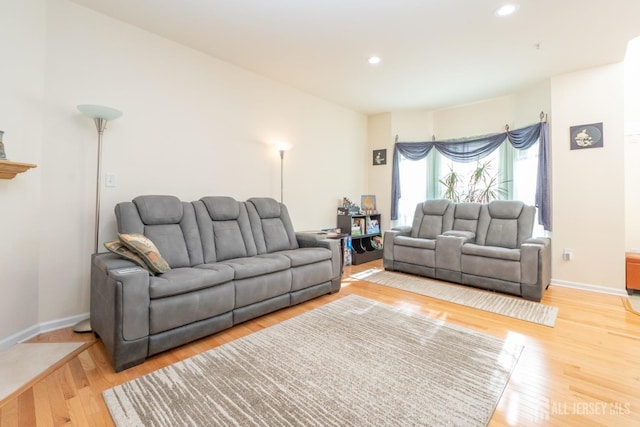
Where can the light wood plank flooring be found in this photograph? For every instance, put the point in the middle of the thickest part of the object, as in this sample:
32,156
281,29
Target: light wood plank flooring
584,372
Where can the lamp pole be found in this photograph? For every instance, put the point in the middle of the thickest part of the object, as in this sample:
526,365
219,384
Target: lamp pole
100,115
281,176
101,125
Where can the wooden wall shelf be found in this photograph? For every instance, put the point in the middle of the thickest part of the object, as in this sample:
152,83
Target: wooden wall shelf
9,169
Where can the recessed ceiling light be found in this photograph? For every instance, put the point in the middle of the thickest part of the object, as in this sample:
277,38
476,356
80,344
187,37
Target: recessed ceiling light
373,60
506,9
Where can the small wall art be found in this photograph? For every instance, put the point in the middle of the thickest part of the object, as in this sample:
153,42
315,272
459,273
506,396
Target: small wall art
586,136
368,204
379,157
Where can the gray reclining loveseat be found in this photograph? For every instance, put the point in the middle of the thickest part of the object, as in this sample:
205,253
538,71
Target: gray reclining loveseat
483,245
230,262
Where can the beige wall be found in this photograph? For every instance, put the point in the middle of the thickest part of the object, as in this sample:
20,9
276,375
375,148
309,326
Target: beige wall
589,185
22,87
192,126
632,146
379,178
632,192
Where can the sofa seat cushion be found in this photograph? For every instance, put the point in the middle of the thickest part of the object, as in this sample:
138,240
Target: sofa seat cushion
415,242
188,279
179,310
491,252
494,268
258,265
308,275
304,256
260,288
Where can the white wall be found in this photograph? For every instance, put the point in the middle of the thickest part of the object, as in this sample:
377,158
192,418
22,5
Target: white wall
588,184
192,126
632,146
21,93
383,128
380,137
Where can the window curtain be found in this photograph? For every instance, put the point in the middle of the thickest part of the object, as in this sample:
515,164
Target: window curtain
476,148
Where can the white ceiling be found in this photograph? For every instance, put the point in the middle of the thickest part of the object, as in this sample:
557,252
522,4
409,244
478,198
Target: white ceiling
435,53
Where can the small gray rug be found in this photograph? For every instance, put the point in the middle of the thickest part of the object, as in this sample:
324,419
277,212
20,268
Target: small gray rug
351,362
505,305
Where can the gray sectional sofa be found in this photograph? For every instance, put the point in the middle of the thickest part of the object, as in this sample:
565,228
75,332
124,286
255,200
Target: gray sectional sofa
230,262
483,245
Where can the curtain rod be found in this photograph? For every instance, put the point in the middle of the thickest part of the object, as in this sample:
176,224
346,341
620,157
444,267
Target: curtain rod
543,118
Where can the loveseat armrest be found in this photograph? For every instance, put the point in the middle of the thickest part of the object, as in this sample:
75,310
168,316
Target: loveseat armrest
545,241
535,264
405,230
389,245
120,308
466,236
449,256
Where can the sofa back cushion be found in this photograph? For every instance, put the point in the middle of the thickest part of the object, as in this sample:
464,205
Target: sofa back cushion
271,225
169,223
432,218
224,229
466,216
505,223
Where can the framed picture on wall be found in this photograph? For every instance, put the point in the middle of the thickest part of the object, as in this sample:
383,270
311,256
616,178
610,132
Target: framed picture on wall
379,157
368,204
586,136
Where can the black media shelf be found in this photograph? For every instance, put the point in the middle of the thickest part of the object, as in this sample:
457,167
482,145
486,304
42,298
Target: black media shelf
362,249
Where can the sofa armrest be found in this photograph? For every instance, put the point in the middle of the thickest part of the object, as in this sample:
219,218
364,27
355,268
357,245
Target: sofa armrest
314,240
120,308
535,264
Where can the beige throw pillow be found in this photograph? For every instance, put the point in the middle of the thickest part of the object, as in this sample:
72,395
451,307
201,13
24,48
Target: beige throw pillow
145,248
118,248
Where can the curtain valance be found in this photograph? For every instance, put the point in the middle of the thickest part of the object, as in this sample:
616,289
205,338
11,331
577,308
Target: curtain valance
476,148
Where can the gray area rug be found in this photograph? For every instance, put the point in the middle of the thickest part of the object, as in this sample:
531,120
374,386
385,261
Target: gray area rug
505,305
351,362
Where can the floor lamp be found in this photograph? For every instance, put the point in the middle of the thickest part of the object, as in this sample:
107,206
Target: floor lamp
100,115
281,149
281,175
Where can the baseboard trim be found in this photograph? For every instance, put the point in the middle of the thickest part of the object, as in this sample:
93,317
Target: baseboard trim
52,325
589,288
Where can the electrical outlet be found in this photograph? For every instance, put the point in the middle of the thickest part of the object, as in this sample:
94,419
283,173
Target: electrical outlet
109,180
567,254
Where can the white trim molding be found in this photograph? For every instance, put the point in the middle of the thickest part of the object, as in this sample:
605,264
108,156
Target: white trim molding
589,288
52,325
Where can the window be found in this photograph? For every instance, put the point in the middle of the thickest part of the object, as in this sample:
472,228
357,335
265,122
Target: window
515,171
465,189
414,174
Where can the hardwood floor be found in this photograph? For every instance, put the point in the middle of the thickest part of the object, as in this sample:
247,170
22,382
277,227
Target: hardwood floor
585,371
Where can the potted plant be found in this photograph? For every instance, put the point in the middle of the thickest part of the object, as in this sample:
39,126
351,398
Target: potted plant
482,185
